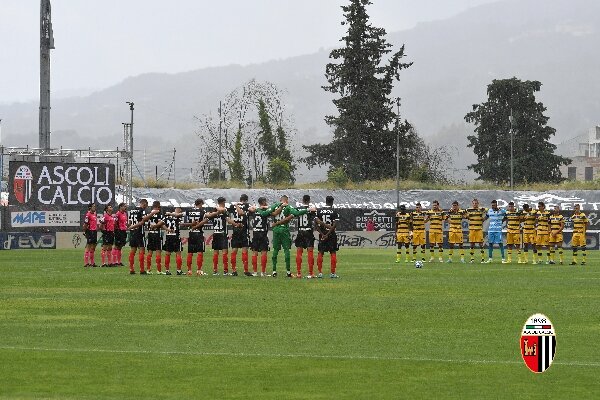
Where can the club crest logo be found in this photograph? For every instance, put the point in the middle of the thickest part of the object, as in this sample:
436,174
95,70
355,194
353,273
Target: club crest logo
76,240
538,343
22,184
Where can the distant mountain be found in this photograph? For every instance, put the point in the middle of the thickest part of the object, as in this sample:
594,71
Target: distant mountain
555,42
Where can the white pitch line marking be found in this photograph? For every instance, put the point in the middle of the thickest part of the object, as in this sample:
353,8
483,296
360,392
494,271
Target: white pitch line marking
280,355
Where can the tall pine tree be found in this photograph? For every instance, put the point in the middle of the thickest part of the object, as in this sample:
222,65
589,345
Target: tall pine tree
362,74
236,165
267,139
280,163
533,154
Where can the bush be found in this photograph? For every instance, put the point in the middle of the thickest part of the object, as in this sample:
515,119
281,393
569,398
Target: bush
337,177
279,172
213,176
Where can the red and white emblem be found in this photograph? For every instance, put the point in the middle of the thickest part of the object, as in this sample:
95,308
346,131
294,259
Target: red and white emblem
22,184
538,343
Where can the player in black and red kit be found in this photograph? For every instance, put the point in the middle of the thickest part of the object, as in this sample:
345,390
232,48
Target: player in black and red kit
171,222
137,239
154,237
240,239
196,219
220,218
260,241
305,238
326,220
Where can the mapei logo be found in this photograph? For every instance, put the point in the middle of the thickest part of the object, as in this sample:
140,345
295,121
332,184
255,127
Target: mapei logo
538,343
29,218
548,198
374,213
22,184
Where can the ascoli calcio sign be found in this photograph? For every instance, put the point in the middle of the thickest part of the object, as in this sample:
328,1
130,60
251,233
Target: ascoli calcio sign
63,186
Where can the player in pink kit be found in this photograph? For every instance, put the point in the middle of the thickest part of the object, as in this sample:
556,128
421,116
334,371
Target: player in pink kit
90,230
120,233
107,226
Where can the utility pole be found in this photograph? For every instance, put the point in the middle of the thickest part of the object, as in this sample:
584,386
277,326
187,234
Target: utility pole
512,132
46,44
397,152
174,169
130,166
220,125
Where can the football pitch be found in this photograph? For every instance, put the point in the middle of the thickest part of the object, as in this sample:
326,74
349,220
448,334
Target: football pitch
383,330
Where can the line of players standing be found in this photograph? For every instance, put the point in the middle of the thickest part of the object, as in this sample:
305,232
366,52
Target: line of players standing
528,228
146,239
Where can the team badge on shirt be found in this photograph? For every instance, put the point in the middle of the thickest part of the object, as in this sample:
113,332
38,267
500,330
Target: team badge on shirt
538,343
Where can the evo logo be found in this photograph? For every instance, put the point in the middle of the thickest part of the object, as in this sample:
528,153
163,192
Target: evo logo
29,241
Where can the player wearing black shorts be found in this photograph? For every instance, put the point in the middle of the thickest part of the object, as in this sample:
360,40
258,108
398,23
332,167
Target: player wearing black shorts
260,241
220,218
107,226
136,238
326,221
171,223
305,238
240,238
90,231
154,238
196,219
120,232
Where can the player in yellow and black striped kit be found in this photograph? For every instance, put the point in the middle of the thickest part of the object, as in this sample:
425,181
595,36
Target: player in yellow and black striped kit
475,215
557,224
402,233
436,217
455,232
417,219
529,218
542,232
513,232
580,223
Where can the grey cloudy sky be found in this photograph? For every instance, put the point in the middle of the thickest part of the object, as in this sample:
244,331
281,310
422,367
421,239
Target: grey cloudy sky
98,44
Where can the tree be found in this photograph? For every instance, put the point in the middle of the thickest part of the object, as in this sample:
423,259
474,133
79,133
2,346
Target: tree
266,138
236,166
364,139
245,144
533,155
275,148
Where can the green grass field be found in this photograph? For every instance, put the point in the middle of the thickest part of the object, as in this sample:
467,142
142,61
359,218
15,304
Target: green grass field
383,330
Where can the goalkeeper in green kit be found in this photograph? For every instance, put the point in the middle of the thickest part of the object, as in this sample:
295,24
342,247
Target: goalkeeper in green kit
283,214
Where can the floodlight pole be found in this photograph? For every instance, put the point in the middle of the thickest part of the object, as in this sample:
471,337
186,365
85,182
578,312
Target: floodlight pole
46,44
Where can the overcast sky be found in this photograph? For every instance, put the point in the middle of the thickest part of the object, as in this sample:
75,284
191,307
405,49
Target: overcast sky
99,43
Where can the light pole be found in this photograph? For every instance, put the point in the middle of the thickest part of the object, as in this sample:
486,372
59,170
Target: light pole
511,119
130,166
397,152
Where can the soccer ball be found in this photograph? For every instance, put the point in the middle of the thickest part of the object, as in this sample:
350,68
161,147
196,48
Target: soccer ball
419,264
